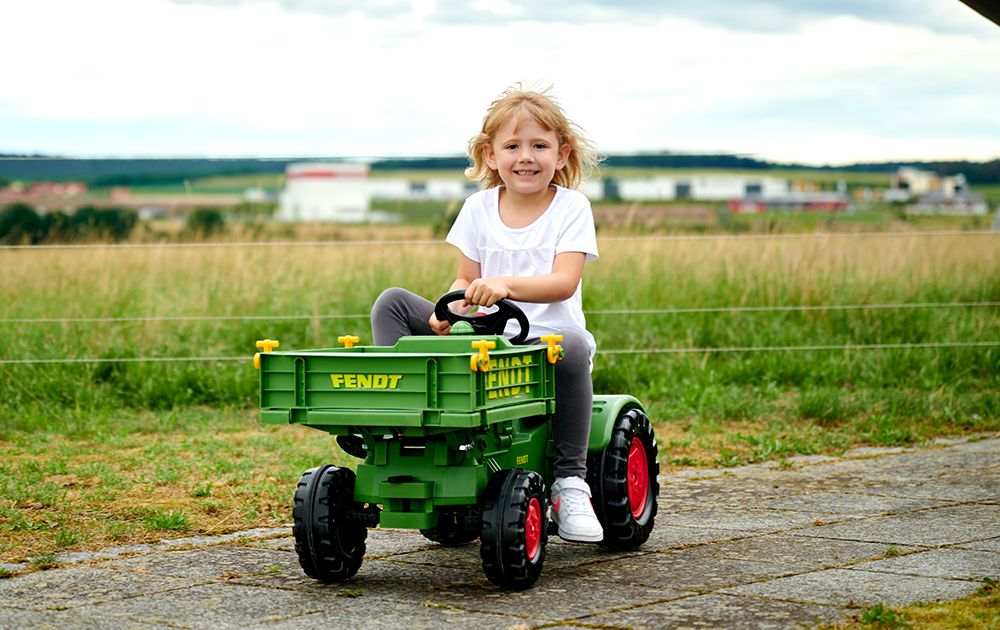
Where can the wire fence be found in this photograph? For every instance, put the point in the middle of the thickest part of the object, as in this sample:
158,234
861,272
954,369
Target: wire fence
732,309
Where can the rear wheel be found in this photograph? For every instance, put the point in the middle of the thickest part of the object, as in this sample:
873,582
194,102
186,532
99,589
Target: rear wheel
623,480
329,535
455,526
514,534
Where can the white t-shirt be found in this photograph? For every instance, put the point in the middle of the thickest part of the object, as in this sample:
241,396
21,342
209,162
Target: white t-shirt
567,225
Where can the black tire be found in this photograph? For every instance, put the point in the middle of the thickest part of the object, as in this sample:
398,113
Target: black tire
624,505
455,527
329,542
514,533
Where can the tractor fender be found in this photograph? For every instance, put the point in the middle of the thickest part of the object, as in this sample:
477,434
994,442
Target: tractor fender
605,411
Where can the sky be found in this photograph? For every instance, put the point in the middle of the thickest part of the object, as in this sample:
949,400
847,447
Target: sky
805,81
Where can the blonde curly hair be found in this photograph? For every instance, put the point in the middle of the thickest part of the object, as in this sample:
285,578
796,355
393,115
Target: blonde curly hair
519,102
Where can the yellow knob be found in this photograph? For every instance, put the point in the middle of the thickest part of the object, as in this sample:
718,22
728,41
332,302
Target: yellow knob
348,340
266,345
481,362
554,352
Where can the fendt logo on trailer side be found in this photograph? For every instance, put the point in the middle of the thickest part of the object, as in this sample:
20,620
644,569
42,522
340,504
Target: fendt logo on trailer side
510,376
365,381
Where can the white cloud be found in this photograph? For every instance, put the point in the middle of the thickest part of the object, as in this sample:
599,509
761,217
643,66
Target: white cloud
253,78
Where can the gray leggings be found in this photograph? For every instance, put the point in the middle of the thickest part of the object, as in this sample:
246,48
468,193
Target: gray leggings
398,313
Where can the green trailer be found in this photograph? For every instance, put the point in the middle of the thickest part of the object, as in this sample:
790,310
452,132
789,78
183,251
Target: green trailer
454,438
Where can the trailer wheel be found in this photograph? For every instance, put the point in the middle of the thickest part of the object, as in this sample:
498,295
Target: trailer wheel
514,528
623,481
329,543
455,527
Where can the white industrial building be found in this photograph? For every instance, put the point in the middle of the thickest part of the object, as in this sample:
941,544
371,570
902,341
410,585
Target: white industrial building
441,189
704,187
344,191
325,191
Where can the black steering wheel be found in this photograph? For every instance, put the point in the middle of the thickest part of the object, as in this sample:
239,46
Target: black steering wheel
491,324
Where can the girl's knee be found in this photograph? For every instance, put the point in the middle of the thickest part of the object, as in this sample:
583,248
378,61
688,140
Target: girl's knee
388,298
576,351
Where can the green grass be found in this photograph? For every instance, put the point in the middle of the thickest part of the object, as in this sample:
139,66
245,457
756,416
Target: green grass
979,610
97,453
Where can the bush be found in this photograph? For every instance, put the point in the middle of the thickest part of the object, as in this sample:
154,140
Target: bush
112,223
206,221
20,225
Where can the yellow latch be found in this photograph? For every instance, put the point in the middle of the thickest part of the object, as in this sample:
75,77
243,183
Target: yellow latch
555,352
266,345
348,340
481,362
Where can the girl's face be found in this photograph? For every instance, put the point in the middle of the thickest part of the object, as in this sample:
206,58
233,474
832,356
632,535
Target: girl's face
526,155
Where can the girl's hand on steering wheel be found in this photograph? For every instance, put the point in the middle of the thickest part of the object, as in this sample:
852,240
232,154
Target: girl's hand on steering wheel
486,291
438,326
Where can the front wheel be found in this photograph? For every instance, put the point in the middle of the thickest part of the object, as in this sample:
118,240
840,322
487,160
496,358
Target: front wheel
623,481
514,534
329,539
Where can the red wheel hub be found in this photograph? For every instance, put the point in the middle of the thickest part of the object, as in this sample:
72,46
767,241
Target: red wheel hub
638,478
533,529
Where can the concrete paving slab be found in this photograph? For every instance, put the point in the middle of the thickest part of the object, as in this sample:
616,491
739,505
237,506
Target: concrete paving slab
665,536
848,503
77,586
398,541
856,588
211,563
72,619
990,544
745,519
720,611
927,528
976,485
951,563
372,614
377,579
977,446
215,606
684,571
800,552
558,596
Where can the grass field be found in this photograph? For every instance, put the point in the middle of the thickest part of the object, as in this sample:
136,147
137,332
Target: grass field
100,453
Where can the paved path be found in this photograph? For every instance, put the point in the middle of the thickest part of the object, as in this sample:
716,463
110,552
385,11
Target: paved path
756,547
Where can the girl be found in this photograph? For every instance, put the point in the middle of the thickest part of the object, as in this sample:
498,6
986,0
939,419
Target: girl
526,236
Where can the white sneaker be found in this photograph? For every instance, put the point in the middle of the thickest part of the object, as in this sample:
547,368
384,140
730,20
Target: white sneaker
573,512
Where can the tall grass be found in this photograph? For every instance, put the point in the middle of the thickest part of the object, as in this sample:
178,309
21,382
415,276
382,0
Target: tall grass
956,385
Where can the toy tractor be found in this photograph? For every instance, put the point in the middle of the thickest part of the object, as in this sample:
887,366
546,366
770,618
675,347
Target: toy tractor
454,432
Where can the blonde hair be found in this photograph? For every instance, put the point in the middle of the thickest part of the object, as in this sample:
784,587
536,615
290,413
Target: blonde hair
516,101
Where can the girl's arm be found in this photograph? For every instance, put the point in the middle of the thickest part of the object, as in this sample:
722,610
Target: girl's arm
468,271
567,270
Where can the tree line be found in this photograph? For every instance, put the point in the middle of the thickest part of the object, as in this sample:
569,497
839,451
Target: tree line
102,172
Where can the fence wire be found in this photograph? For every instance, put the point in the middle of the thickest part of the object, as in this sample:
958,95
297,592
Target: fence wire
609,351
425,242
622,311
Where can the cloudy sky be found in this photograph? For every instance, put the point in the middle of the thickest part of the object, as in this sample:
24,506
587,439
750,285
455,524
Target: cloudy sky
812,81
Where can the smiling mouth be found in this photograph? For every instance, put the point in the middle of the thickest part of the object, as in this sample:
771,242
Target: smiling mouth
525,173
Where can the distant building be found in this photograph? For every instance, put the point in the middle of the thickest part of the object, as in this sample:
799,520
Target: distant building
327,191
907,183
933,194
937,202
794,201
701,187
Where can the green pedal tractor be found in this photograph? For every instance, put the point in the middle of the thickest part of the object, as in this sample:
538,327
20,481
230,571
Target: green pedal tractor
455,437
